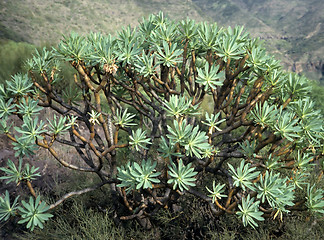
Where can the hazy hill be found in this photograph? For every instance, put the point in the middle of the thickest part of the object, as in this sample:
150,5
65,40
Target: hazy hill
39,21
293,29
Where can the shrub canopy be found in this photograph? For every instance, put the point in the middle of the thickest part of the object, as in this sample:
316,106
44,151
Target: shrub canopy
199,109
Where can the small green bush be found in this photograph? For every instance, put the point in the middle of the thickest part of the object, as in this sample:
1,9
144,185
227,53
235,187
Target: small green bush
13,56
253,155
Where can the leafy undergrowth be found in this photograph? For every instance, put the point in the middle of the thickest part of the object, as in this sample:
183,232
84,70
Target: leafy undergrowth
91,216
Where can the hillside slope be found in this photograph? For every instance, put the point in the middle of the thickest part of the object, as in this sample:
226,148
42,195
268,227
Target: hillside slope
293,29
39,21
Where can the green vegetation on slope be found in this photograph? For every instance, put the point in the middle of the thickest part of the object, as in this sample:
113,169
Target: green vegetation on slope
292,28
44,20
12,57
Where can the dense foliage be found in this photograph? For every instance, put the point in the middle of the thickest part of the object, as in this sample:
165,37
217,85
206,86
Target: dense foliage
12,57
200,110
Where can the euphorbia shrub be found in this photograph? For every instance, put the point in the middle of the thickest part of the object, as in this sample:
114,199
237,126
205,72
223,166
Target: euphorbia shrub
255,142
